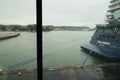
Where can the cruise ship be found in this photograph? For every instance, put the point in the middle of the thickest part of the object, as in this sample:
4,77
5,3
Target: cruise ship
105,42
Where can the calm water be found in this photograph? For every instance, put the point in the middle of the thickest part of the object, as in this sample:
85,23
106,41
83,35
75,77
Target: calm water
18,49
62,48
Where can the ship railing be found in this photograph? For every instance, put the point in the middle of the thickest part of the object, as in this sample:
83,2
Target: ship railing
114,1
114,4
114,9
101,25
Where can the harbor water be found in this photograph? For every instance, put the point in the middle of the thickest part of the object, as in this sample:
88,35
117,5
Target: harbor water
18,49
62,48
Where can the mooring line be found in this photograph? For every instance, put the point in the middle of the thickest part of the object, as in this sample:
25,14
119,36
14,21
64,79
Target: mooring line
62,43
20,64
84,61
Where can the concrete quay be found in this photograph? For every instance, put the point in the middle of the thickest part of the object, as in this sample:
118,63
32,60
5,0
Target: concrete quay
92,72
7,36
19,75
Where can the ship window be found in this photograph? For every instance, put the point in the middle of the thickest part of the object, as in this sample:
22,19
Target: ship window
107,38
99,30
108,30
119,40
118,31
113,38
116,40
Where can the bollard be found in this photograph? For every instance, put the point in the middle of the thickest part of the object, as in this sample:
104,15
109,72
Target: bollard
1,71
81,66
19,73
50,69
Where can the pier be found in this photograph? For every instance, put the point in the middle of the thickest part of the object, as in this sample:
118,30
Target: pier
7,36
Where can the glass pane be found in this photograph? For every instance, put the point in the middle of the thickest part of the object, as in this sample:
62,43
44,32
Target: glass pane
18,51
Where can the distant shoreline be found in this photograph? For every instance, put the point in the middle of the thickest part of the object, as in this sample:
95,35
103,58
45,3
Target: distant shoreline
66,28
28,28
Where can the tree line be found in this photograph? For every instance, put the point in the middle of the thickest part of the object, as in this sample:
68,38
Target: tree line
30,27
69,28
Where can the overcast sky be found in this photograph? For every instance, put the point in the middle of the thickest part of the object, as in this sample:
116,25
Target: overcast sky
21,12
74,12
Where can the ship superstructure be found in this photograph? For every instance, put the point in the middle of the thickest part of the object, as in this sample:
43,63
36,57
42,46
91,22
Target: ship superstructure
106,40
